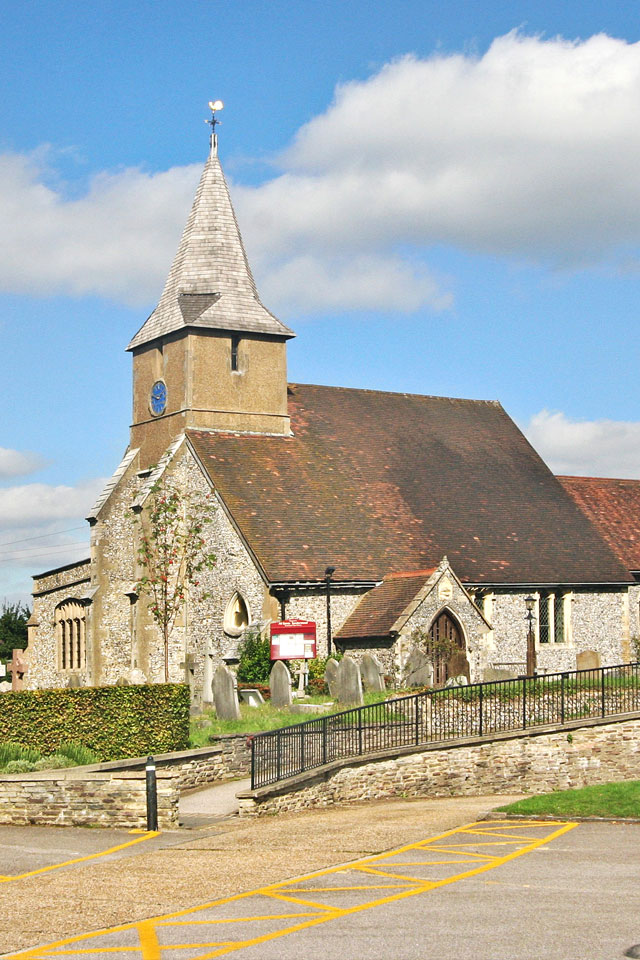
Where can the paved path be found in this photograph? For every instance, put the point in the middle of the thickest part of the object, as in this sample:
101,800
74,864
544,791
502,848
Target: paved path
208,804
510,890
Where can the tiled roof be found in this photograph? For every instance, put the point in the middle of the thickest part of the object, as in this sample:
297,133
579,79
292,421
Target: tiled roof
210,283
373,483
381,607
614,507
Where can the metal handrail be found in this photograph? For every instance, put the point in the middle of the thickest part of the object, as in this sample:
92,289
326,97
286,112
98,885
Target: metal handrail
439,715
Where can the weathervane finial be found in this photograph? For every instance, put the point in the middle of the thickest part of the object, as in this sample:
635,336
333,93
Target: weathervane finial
213,106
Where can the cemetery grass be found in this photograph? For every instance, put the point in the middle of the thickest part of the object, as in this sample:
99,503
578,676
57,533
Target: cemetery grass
258,719
608,800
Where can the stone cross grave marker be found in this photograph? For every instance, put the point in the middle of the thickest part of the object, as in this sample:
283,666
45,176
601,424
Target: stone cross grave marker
17,667
189,667
349,682
418,669
371,670
225,694
280,685
331,676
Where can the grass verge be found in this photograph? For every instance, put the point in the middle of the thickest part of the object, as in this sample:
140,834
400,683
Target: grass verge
257,719
601,800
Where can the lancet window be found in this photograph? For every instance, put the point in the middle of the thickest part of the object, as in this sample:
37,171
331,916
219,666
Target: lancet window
70,635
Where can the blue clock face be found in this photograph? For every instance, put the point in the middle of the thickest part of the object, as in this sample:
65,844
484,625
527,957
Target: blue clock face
158,398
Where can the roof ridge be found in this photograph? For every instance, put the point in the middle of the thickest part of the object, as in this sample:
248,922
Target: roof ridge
397,393
409,574
574,476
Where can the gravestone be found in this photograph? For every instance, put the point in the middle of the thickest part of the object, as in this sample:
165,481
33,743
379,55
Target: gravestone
331,676
459,681
371,671
251,696
122,681
5,686
75,682
498,673
418,669
280,685
588,660
225,694
349,682
17,667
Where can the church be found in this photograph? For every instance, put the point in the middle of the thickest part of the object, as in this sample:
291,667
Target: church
389,519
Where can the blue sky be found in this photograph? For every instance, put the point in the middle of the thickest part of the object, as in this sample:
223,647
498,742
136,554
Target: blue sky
438,198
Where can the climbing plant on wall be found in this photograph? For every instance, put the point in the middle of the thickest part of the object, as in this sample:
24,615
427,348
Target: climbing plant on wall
172,551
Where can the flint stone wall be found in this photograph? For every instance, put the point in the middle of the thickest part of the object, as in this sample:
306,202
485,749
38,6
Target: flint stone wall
113,794
536,762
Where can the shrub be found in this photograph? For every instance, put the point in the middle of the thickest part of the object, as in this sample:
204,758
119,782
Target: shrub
255,658
54,762
15,751
113,722
78,754
19,766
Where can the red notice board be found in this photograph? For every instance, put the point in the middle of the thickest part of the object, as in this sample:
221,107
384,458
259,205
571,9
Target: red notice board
293,640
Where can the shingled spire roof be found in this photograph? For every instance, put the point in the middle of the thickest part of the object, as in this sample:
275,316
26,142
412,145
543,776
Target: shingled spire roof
210,283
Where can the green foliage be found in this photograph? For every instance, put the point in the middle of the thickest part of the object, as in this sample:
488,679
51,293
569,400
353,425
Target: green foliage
601,800
112,722
78,754
19,766
13,628
16,751
54,762
255,658
172,551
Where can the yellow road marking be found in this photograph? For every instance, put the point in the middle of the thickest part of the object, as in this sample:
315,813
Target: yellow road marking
304,903
148,940
150,948
366,886
149,834
466,853
492,833
392,876
266,916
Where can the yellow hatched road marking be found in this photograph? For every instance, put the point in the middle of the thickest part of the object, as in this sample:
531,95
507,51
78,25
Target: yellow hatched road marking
492,833
266,916
148,835
466,853
392,876
147,930
353,886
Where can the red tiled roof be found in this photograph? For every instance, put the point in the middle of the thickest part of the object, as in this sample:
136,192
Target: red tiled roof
378,482
380,608
614,507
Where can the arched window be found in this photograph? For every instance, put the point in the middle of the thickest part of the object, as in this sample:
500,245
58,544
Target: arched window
70,635
236,616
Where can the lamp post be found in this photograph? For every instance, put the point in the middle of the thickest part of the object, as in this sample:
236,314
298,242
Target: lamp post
530,604
328,574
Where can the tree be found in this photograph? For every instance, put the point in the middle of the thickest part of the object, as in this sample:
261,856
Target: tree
172,552
13,628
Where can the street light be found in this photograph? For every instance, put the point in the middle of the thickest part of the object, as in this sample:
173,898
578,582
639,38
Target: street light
530,604
328,574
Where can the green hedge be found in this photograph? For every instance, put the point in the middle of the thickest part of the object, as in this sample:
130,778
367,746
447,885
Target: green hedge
114,722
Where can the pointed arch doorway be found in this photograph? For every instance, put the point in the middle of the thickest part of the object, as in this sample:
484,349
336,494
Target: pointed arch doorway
447,647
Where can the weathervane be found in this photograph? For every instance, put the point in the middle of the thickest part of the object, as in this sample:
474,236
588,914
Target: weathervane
213,106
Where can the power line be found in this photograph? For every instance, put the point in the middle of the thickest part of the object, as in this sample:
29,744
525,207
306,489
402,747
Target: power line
42,536
29,556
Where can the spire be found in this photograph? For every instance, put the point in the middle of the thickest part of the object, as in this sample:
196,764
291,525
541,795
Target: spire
210,284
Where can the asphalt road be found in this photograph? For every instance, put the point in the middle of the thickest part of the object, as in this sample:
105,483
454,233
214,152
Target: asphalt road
489,891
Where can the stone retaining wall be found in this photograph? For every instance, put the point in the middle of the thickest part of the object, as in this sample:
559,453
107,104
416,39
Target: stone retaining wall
86,799
113,794
532,762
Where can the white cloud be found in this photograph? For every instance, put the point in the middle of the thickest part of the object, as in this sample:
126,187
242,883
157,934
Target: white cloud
116,241
16,463
43,527
596,448
31,505
527,151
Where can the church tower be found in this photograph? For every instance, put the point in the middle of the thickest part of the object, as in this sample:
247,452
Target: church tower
210,356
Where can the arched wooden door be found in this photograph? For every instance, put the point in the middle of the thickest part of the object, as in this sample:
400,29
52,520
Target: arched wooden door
446,646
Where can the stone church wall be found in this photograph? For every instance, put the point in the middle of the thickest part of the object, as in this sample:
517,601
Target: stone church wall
42,653
598,621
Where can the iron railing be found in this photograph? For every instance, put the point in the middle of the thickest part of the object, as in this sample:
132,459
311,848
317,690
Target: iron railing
451,713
